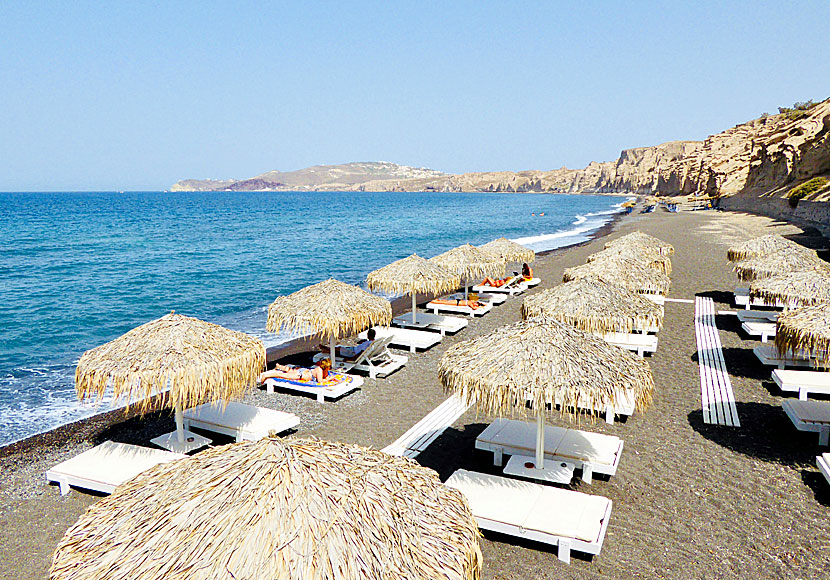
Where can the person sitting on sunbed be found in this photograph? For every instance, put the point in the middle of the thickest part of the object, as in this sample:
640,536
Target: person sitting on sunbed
496,283
527,272
351,352
317,373
453,302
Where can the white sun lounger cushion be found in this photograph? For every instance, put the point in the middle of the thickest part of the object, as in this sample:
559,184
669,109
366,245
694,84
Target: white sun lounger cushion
330,391
532,282
483,309
107,466
405,337
601,451
556,513
802,382
639,343
494,299
757,328
823,464
432,321
245,422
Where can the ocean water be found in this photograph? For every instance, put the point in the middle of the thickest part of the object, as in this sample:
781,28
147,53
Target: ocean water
79,269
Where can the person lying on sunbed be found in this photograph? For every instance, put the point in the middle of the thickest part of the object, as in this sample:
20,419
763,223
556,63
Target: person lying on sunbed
452,302
317,373
351,352
527,272
496,283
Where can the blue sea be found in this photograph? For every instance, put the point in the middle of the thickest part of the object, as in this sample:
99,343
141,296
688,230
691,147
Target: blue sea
80,269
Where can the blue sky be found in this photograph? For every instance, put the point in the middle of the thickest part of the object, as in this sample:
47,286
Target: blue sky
103,96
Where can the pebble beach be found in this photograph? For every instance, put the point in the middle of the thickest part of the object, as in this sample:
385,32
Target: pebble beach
690,500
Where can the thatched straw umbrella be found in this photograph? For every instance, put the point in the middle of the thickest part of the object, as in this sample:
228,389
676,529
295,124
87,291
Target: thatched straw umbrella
470,262
643,240
508,251
332,308
776,264
794,289
626,273
292,509
594,306
648,257
184,360
542,362
762,246
413,275
806,329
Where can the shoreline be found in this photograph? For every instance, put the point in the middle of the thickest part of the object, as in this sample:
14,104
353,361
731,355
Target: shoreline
274,353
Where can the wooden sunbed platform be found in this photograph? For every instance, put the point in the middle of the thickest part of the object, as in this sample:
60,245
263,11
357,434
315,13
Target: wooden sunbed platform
717,398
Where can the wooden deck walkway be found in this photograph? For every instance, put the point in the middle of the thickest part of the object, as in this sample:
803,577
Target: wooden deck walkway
717,398
427,429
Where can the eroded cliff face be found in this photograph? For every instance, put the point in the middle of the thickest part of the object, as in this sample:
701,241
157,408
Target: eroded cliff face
766,156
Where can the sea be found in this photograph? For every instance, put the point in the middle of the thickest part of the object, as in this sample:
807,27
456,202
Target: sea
80,269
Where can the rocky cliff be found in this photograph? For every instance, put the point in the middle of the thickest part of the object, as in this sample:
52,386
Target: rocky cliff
766,156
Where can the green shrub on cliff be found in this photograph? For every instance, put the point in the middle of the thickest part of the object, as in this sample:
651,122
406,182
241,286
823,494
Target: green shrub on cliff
798,110
805,189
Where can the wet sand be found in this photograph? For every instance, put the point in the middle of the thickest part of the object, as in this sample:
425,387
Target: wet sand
690,500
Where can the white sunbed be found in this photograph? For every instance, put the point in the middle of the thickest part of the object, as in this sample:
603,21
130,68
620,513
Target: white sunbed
532,282
336,387
823,464
241,421
590,452
429,321
802,382
512,287
494,299
106,466
412,339
483,309
813,416
763,330
564,518
656,298
757,316
625,405
375,359
639,343
769,356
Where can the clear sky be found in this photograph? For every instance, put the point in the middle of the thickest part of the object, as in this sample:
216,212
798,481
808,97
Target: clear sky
111,95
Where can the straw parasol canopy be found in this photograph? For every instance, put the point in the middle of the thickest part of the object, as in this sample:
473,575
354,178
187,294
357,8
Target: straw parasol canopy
297,509
795,288
542,362
470,262
806,329
413,275
762,246
648,257
332,308
643,240
594,306
626,273
196,362
770,265
508,251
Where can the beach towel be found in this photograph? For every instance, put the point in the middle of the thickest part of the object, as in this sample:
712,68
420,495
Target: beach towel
331,380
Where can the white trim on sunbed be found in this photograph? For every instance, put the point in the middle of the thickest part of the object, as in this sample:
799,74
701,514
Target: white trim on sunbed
512,287
757,316
802,382
764,330
494,299
473,312
769,356
322,392
564,518
812,416
427,320
823,464
638,343
410,338
590,452
241,421
106,466
375,359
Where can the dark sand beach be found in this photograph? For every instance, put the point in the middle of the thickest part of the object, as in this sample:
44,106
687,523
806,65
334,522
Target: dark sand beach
690,500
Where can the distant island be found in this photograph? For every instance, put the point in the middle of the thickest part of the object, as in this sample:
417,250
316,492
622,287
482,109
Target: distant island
768,157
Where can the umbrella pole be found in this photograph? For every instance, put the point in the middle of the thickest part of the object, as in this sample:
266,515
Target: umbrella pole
179,424
540,440
465,287
414,306
331,350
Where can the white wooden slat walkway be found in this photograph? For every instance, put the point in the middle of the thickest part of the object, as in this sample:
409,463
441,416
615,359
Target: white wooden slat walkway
717,398
428,429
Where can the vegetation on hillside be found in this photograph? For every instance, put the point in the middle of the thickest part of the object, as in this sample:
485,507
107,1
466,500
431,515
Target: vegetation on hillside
805,189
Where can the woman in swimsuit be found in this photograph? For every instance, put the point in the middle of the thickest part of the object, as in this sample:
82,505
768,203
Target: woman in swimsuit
317,373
